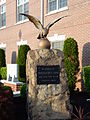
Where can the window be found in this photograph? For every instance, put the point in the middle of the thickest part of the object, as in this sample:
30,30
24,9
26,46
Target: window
52,5
62,3
57,41
3,15
21,42
22,7
3,46
56,4
57,45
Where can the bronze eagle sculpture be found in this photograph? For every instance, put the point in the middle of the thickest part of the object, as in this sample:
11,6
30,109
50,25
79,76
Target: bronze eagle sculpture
43,30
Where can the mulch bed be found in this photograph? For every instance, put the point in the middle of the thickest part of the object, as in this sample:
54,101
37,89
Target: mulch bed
77,99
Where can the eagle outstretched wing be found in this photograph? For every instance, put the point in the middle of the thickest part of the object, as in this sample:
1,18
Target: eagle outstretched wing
43,31
52,23
34,20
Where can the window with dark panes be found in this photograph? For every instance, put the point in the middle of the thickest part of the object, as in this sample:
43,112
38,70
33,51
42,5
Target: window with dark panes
56,5
57,45
2,15
22,7
52,5
62,3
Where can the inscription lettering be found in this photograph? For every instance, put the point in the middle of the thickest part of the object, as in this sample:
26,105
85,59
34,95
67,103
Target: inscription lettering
48,74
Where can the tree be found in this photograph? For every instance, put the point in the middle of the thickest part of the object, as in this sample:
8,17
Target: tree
71,61
21,61
2,58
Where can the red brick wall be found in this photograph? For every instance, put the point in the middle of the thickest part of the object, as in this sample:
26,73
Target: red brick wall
77,25
13,86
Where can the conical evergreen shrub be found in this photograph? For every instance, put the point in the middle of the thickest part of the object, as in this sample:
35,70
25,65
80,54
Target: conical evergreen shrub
21,61
71,61
2,58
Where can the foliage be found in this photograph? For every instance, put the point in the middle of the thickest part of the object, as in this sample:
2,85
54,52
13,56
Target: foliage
0,77
4,88
6,103
21,61
23,91
71,61
86,77
22,73
2,58
22,53
3,73
80,112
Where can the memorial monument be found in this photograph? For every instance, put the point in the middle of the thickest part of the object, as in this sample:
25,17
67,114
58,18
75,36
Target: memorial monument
12,77
47,87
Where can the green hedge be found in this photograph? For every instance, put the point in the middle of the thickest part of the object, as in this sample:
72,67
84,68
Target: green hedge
3,72
4,88
86,77
6,103
21,61
23,92
71,61
2,58
22,73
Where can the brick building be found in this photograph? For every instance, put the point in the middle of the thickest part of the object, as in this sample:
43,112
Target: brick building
76,25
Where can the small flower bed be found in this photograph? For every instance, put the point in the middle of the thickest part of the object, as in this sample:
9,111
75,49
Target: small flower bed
6,103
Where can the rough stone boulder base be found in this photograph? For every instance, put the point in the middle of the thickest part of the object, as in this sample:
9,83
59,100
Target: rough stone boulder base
46,102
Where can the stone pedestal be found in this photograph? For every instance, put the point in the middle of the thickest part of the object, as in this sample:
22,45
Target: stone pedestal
47,101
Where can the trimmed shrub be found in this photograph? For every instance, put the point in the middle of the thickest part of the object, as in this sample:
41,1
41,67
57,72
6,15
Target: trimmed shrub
6,103
4,88
86,78
21,61
22,73
71,61
2,58
3,73
23,91
0,77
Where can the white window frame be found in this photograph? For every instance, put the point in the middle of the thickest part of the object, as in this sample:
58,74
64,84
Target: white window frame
2,2
18,5
2,12
57,8
56,38
3,46
21,42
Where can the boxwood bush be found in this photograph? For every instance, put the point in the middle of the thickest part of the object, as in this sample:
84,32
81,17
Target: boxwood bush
5,88
71,61
3,72
21,61
86,78
23,91
2,58
6,103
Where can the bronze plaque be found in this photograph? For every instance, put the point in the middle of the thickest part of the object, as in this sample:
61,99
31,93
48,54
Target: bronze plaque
48,74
